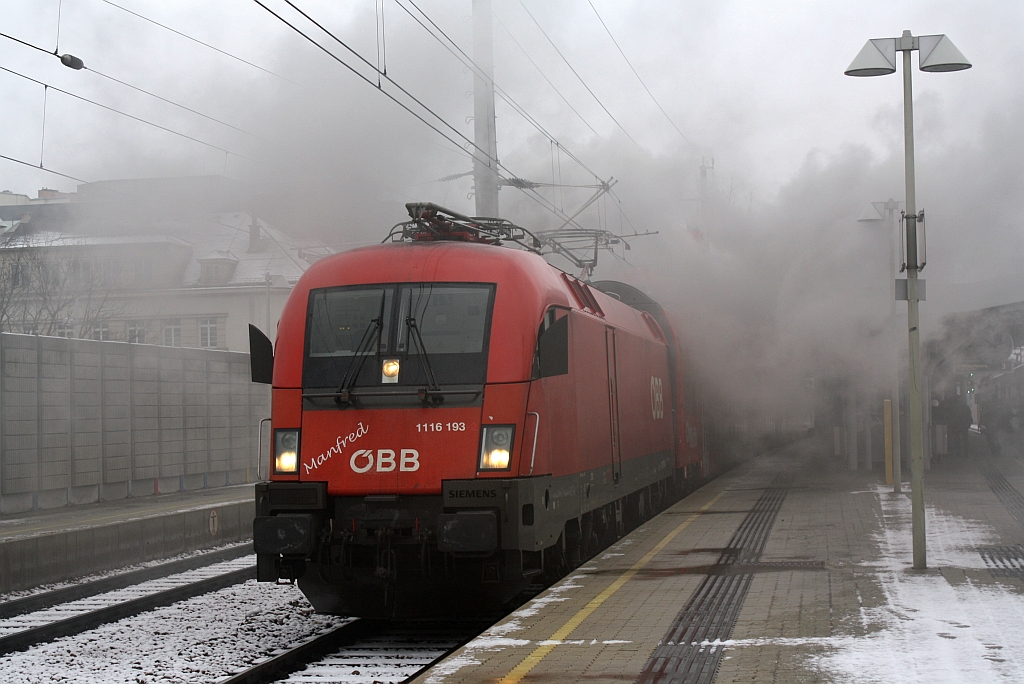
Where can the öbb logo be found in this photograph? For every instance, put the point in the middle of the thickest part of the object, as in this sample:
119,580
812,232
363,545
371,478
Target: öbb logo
657,399
408,460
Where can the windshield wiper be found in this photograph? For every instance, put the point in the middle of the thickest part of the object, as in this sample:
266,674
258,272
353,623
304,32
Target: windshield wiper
349,379
432,392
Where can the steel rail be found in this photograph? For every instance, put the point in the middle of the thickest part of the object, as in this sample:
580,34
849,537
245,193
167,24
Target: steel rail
85,621
363,650
29,604
308,651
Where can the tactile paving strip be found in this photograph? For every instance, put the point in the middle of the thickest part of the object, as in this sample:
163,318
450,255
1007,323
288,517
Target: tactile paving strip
1005,491
711,612
1004,561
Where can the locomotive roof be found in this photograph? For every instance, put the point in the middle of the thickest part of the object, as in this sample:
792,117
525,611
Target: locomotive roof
527,286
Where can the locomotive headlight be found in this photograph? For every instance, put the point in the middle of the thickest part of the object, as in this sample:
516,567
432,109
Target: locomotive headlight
389,370
496,447
286,452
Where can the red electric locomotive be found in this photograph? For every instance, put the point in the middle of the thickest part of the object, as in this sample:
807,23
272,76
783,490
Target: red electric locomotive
453,419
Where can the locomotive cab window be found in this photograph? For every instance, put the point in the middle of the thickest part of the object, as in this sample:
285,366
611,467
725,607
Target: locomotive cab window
370,335
552,355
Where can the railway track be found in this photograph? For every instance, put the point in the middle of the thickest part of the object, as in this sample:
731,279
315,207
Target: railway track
361,651
52,615
47,599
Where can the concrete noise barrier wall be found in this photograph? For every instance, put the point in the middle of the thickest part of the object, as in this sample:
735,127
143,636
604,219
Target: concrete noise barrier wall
82,421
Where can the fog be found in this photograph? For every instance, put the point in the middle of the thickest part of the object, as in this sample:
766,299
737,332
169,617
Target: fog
785,283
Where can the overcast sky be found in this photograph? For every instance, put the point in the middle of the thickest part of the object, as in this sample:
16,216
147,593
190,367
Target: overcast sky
799,149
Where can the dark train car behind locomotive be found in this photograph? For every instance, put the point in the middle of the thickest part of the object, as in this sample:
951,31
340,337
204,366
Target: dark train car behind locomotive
453,421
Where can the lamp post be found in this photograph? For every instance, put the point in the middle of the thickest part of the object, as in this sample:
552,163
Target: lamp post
874,213
878,58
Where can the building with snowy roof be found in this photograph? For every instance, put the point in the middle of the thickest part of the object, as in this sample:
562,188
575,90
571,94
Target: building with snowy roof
146,261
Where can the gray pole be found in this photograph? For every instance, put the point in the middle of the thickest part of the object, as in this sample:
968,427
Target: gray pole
906,45
266,281
851,430
485,154
897,467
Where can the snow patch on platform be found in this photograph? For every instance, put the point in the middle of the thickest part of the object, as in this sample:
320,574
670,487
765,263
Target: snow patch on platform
928,629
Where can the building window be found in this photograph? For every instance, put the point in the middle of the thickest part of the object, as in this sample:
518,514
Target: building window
137,332
81,273
113,273
19,275
172,333
101,332
65,330
143,272
207,332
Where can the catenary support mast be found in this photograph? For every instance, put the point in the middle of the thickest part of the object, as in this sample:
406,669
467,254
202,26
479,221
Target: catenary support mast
485,159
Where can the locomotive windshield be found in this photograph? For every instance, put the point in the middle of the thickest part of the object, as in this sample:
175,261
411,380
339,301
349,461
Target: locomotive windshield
352,330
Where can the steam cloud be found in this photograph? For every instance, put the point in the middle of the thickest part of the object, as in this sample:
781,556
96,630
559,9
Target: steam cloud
788,284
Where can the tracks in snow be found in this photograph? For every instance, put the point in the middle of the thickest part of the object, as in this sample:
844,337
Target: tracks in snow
363,651
52,615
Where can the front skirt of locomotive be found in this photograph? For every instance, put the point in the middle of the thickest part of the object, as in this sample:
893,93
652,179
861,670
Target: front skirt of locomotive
459,553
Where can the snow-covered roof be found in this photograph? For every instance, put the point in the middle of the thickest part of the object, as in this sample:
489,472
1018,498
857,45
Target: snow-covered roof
223,235
51,238
226,236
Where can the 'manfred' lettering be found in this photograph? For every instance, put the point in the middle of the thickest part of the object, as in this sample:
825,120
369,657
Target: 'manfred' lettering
339,446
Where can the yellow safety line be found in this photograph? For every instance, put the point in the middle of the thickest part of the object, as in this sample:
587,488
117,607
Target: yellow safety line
539,653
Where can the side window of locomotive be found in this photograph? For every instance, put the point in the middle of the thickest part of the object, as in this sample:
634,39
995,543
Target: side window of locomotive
552,357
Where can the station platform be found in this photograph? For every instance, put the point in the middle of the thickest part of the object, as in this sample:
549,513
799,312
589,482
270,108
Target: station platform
788,569
54,545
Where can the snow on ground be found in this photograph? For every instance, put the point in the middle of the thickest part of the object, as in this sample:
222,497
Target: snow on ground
203,639
929,630
42,589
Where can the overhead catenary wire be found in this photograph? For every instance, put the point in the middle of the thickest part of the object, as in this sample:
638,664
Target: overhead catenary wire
382,37
576,73
530,189
545,76
635,73
42,135
56,43
622,214
133,87
125,114
367,62
367,80
529,192
42,168
196,40
468,62
170,102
